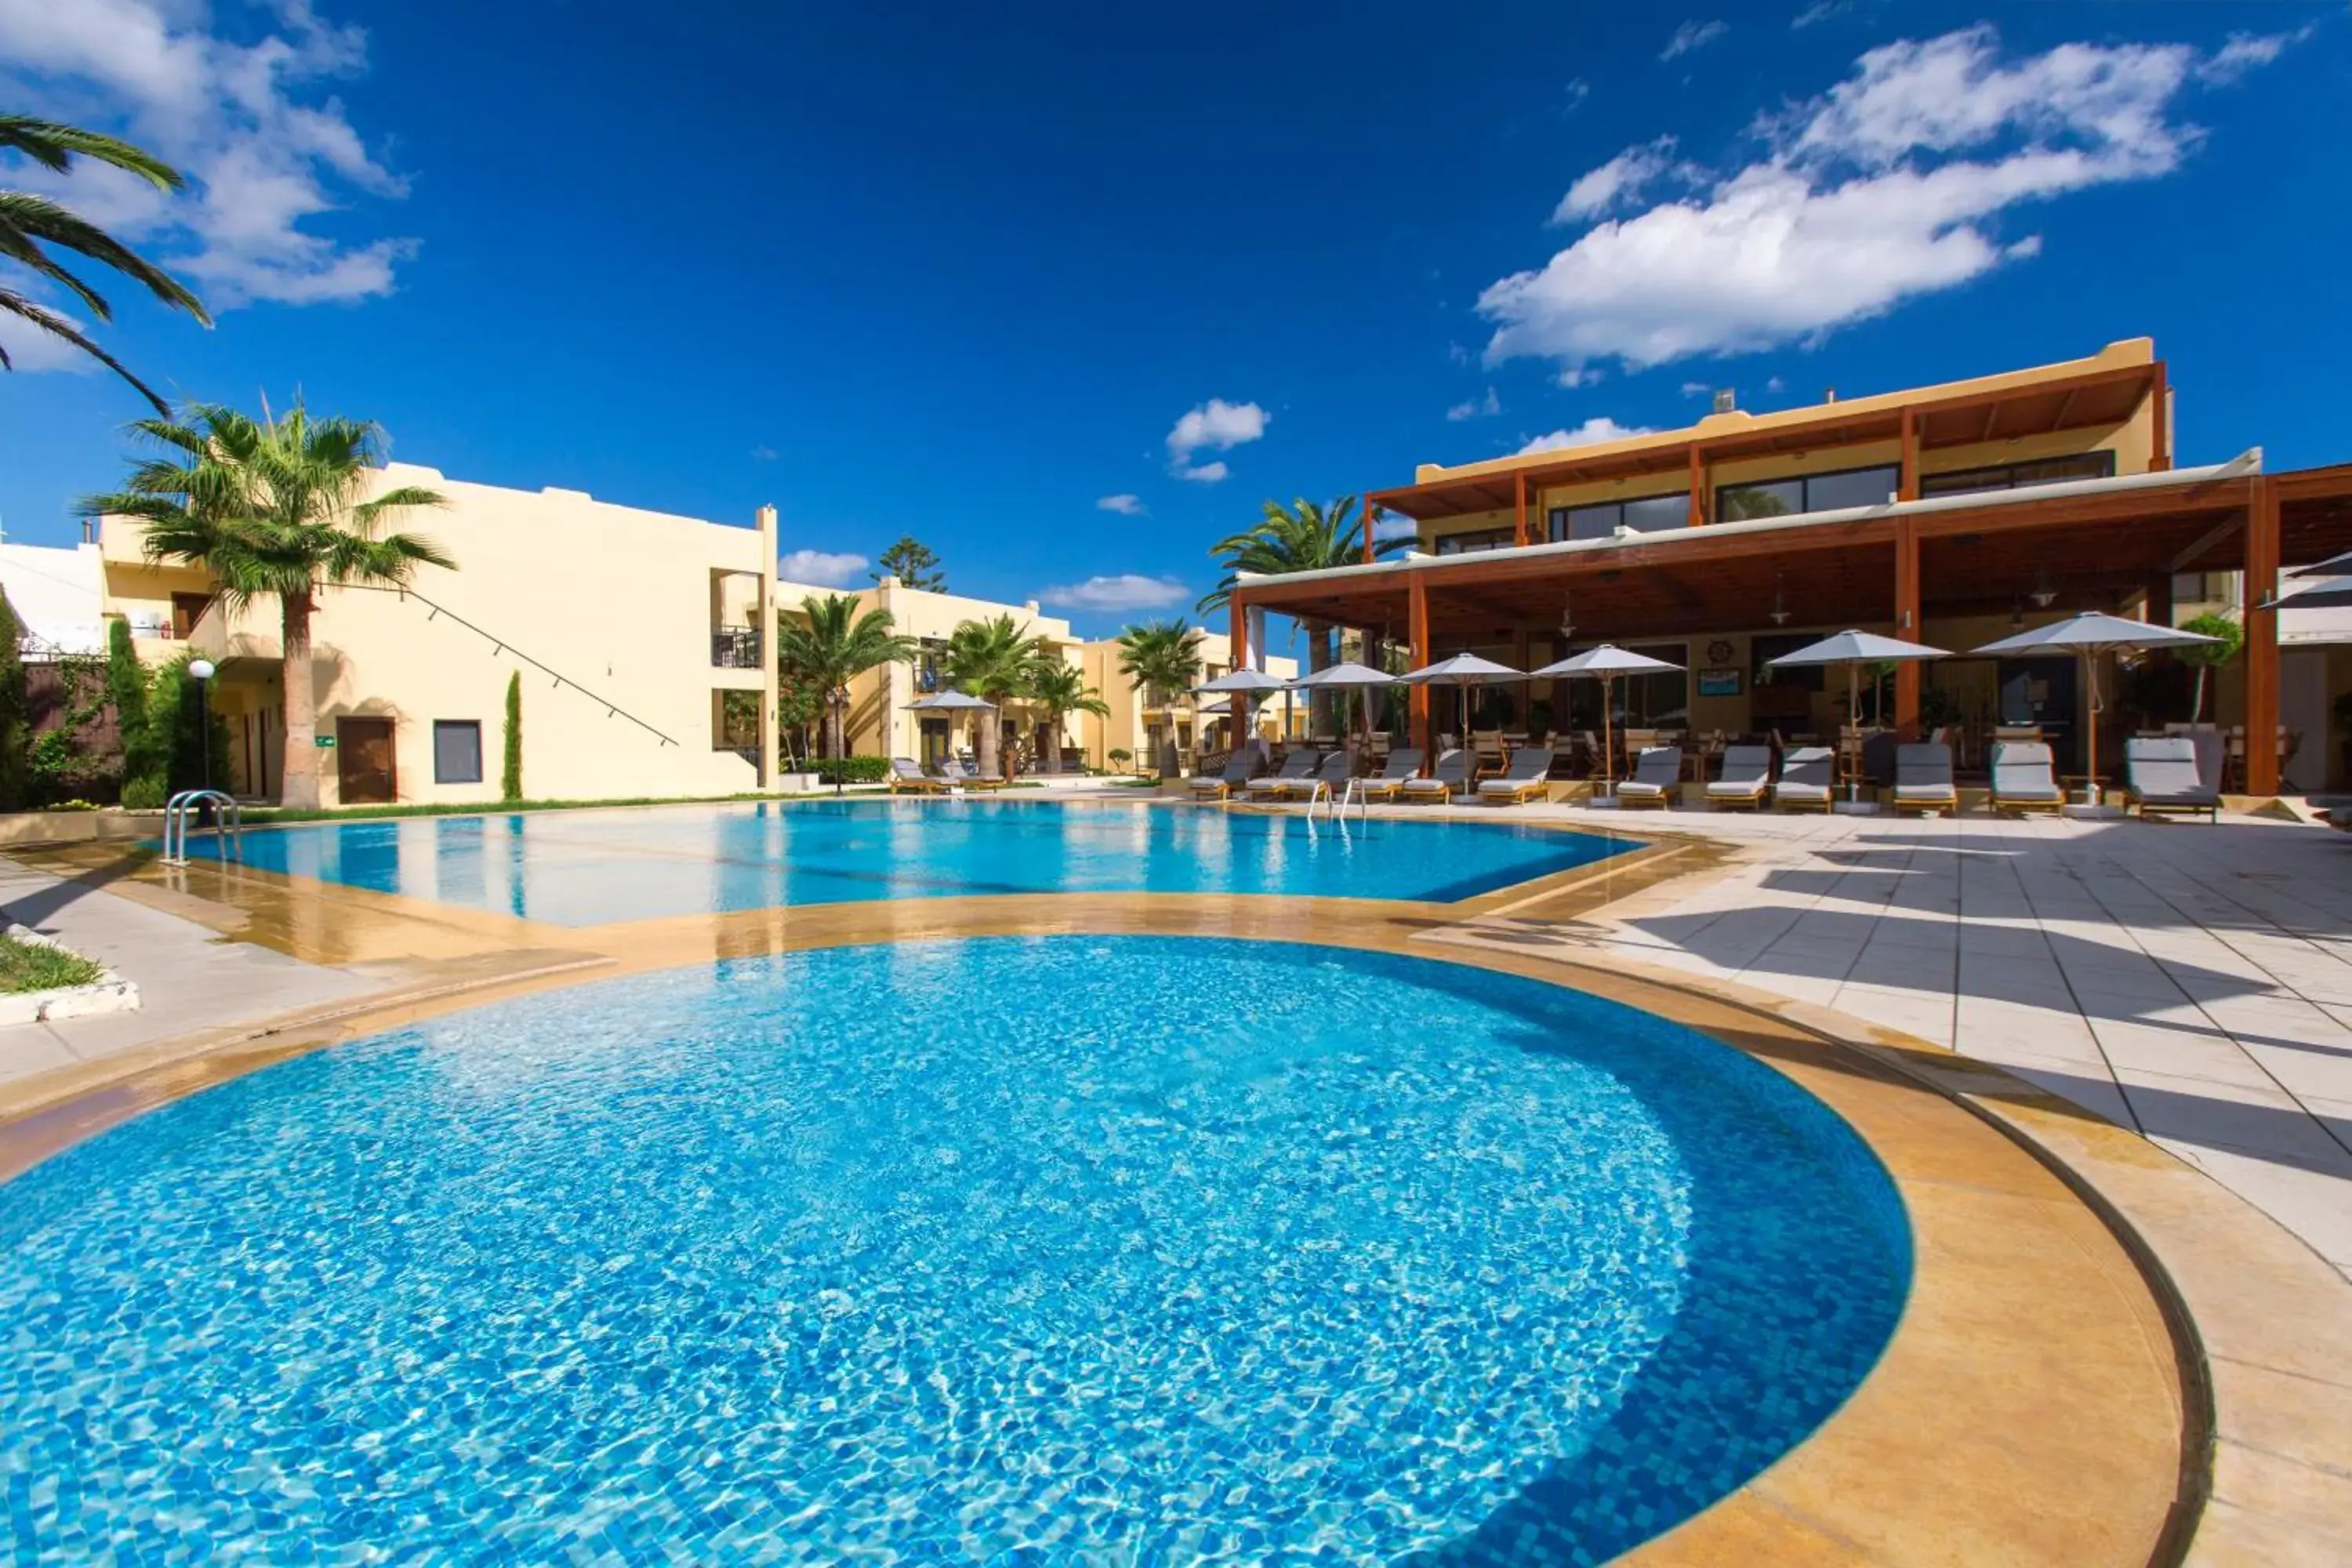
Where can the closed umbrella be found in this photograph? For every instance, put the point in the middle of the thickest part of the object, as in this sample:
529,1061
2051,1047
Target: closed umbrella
2090,634
1605,664
1854,650
1461,671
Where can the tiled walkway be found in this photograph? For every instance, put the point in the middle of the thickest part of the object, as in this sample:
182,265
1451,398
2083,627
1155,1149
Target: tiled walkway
2191,981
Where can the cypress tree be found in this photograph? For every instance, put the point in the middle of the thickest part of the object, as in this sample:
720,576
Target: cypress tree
145,754
510,773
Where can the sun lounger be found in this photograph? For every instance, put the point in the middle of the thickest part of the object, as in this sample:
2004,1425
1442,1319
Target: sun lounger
2164,777
1923,778
1296,768
907,777
1523,780
1657,774
1746,776
1330,776
1806,779
1240,768
963,770
2023,779
1403,763
1451,775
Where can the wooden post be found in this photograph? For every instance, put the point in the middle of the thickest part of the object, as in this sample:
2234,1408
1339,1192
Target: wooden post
1372,511
1906,485
1697,486
1417,628
2159,440
1906,627
1237,644
2262,637
764,638
1519,486
2156,608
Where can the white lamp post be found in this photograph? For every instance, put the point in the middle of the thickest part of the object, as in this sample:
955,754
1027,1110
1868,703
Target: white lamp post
201,672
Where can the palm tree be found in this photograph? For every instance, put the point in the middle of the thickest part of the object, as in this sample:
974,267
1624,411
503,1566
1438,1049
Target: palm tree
29,222
1160,659
1060,687
1300,537
833,646
274,506
990,659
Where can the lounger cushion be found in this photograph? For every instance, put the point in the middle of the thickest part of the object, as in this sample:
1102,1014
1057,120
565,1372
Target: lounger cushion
1736,789
2163,772
1924,792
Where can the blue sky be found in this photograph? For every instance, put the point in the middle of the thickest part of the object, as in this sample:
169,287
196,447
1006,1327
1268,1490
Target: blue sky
975,273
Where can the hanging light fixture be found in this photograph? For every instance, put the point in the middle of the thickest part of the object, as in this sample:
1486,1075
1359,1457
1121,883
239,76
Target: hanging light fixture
1567,616
2045,592
1779,600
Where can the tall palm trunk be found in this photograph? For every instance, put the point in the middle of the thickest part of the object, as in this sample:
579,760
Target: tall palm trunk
1049,744
991,731
298,769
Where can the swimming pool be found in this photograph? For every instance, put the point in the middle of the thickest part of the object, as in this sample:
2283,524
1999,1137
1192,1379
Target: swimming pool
588,867
960,1251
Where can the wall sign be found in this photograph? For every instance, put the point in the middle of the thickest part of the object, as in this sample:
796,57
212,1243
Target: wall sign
324,742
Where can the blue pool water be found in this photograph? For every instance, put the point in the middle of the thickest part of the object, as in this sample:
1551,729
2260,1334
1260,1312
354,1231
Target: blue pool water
586,867
1072,1250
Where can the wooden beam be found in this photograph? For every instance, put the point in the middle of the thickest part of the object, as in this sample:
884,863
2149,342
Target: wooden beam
1519,504
1907,482
2207,540
1237,647
1697,486
1907,626
2262,639
1417,629
2159,397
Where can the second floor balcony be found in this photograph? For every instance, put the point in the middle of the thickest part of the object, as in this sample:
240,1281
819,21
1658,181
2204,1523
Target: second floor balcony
735,648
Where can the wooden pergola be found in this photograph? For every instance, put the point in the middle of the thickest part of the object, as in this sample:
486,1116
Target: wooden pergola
2092,545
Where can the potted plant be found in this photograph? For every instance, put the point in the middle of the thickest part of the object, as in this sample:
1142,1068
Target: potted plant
1120,757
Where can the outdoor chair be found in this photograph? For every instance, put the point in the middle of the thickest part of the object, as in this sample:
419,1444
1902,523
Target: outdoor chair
1807,779
1530,766
2023,779
1747,774
1328,778
1451,773
1296,768
1240,768
1923,778
1489,745
907,777
1657,774
965,771
1403,763
2164,777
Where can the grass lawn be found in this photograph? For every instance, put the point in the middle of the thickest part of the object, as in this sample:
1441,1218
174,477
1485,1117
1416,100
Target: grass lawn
25,967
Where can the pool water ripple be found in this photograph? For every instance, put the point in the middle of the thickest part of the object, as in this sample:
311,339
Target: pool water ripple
1115,1250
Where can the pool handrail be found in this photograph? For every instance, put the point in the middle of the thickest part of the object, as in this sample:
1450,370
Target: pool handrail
229,828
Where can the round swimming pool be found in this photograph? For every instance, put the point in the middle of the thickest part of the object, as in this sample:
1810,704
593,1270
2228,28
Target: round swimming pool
1074,1248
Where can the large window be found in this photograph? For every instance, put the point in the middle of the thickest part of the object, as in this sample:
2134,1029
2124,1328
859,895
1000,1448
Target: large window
1766,647
1807,493
1644,514
1477,540
2017,476
457,751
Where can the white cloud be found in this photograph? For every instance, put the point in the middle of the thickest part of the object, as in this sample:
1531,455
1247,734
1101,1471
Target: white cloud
1205,473
1124,505
763,453
1887,187
30,349
1821,11
1621,180
1697,388
1217,425
1126,591
1573,93
1693,35
2245,51
1593,432
820,568
1776,385
265,154
1577,375
1387,525
1457,353
1476,408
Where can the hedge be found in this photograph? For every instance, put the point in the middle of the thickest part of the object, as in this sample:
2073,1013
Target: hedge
852,770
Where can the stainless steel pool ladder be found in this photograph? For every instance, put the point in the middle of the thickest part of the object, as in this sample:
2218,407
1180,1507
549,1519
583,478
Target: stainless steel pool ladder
1336,807
180,812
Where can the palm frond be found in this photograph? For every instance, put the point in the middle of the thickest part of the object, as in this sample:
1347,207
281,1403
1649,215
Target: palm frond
57,326
55,146
37,218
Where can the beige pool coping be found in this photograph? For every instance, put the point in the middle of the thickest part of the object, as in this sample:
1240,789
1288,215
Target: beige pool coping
2106,1358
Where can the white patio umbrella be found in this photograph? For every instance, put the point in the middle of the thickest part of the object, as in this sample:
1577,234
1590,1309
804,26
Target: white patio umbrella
1249,682
1604,664
2090,634
2334,597
1461,671
2333,566
1854,650
1345,676
951,702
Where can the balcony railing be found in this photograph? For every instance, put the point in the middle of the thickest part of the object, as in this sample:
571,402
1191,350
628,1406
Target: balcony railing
735,648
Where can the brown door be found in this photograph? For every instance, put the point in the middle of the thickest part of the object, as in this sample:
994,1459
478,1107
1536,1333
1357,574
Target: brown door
363,761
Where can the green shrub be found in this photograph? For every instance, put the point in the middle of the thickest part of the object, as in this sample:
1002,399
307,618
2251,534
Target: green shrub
172,716
852,770
146,759
14,709
510,771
